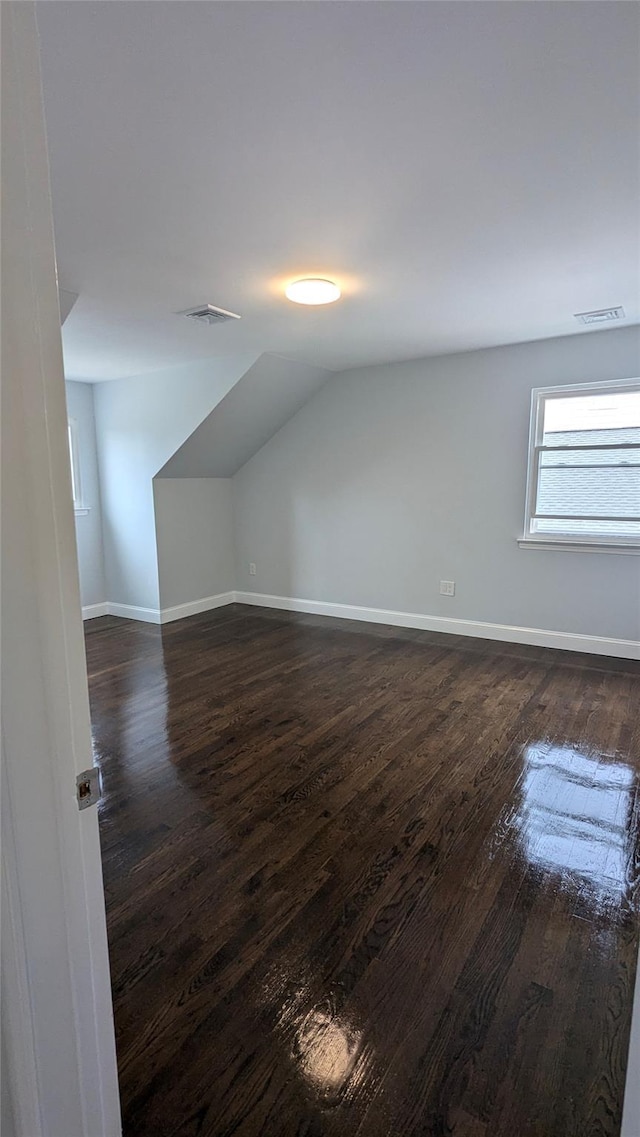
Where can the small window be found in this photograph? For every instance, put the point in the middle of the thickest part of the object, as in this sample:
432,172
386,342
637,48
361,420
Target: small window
74,455
584,465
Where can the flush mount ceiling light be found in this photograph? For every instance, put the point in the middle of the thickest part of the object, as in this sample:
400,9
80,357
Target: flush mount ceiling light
312,290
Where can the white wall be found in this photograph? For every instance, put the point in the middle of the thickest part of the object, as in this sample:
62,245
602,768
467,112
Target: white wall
7,1119
392,478
88,525
194,532
140,423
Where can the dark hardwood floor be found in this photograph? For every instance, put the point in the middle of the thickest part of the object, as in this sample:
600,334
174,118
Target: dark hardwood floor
365,881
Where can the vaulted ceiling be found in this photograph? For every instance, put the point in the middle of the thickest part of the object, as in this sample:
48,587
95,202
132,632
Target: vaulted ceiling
468,172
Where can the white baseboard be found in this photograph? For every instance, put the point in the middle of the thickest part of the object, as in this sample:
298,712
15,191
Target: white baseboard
509,633
194,607
536,637
131,612
90,611
158,615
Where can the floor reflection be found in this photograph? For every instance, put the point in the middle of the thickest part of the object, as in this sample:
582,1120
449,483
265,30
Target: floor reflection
326,1049
130,736
574,815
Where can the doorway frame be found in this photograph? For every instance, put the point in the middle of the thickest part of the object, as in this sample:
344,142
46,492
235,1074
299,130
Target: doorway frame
59,1062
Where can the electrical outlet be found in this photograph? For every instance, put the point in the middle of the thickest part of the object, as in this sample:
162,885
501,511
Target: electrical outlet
252,569
447,587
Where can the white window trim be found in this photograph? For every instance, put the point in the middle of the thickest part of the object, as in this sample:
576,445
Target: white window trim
76,474
569,542
571,546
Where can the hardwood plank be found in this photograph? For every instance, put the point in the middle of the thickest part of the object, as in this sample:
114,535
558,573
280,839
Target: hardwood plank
363,880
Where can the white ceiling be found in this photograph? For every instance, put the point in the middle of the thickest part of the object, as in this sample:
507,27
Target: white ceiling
469,172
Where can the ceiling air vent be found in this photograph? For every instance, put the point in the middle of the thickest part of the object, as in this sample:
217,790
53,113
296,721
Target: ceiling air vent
601,316
208,314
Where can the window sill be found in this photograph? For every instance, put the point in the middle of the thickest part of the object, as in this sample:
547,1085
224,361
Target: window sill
81,510
578,546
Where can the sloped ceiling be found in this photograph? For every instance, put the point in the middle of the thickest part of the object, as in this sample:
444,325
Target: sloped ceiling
66,301
469,172
262,400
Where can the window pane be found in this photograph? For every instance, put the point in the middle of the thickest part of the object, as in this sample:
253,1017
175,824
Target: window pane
587,528
590,466
72,459
604,492
609,417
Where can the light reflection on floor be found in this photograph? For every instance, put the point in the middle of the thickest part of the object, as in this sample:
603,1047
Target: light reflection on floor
573,815
327,1050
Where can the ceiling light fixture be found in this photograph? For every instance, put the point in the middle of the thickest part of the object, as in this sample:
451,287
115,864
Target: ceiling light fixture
312,290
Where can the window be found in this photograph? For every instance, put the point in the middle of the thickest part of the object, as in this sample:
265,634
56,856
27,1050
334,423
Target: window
74,455
584,466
